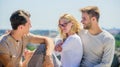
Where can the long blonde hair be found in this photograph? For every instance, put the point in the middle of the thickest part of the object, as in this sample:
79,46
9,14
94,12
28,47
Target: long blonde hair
75,28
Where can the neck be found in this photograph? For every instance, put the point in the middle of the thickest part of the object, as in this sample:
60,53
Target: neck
95,30
16,35
70,34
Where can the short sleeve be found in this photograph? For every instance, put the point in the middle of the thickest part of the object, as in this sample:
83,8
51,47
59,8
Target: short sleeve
4,48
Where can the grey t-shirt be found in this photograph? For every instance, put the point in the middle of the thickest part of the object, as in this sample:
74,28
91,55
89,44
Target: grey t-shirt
98,50
9,46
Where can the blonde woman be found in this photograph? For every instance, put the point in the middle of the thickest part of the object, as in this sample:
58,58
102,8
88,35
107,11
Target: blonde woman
71,49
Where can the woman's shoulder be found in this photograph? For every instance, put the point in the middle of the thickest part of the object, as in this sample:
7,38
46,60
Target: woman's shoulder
74,36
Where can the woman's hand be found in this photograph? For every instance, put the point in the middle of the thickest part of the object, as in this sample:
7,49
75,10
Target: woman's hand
58,47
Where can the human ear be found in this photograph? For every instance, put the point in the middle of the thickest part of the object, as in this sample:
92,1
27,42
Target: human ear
20,27
93,19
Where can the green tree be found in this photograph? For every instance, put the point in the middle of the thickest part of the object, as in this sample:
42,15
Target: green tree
117,39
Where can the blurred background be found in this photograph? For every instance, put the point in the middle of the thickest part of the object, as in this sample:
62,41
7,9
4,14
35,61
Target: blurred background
45,15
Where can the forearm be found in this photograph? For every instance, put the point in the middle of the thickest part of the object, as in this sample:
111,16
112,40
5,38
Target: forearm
48,61
106,62
107,57
25,63
27,55
6,61
103,65
49,46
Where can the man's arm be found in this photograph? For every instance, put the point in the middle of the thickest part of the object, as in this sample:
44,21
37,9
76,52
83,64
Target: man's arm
108,54
36,39
5,57
6,61
27,55
48,62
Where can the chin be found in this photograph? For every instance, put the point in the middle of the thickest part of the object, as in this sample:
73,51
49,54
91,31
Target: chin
84,27
26,32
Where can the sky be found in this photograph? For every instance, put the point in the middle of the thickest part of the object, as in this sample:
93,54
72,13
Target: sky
45,13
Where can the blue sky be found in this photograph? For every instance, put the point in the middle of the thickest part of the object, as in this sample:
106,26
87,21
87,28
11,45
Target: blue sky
45,13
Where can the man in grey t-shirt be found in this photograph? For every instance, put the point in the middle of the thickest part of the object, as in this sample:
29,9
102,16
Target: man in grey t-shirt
98,44
12,45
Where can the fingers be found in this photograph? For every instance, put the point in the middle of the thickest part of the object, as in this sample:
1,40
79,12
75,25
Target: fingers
58,48
28,54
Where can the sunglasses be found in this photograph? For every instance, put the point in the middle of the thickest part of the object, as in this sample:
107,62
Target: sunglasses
63,25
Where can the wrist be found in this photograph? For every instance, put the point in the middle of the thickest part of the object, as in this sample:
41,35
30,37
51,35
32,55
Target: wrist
48,53
48,57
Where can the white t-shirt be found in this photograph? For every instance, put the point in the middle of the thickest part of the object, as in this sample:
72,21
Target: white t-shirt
72,51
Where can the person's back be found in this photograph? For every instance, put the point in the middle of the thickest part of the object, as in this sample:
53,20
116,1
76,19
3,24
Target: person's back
72,51
96,49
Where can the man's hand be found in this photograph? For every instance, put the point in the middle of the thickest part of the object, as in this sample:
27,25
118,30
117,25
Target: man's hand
27,55
48,62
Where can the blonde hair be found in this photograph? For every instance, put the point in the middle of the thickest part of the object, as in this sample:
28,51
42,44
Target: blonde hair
75,28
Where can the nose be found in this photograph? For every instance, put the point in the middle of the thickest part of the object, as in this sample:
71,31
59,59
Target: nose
81,21
62,28
30,25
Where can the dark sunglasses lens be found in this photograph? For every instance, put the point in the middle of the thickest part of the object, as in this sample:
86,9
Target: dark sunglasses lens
63,25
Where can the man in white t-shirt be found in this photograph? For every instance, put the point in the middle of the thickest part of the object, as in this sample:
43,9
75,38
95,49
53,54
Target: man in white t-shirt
98,44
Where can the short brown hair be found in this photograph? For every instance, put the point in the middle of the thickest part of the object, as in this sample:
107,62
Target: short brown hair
93,11
19,17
